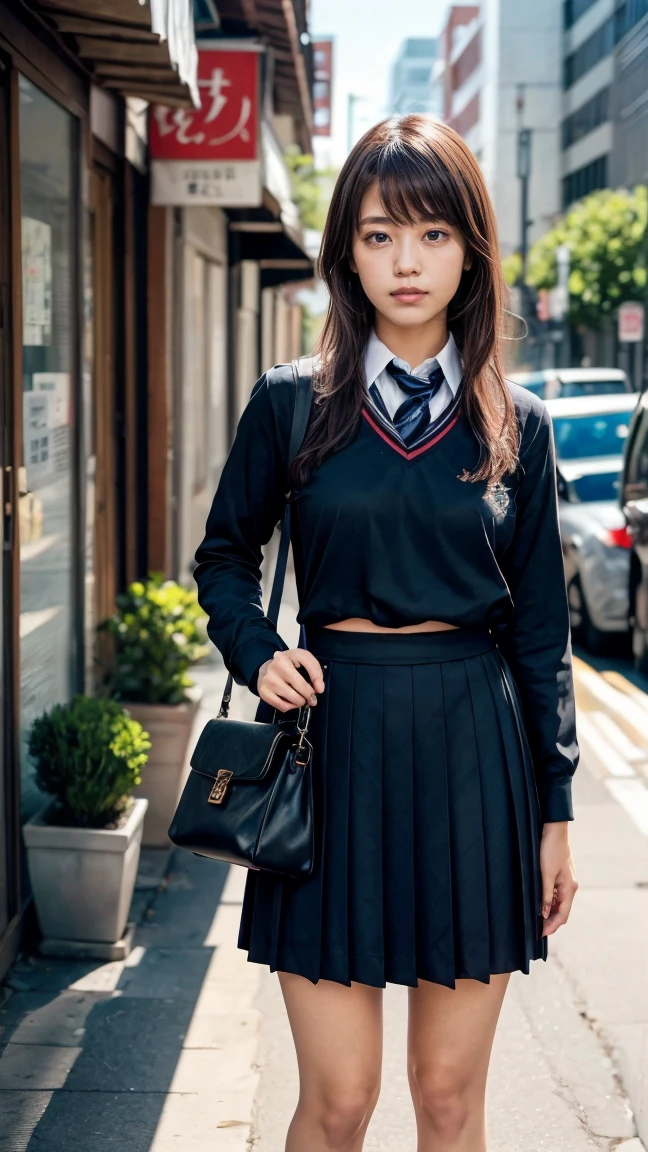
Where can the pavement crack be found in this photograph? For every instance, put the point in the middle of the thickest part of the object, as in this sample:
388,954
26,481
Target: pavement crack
563,1088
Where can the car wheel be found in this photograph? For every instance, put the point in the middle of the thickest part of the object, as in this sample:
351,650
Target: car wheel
583,630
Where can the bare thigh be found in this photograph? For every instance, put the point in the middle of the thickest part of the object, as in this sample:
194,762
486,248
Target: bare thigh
450,1037
338,1040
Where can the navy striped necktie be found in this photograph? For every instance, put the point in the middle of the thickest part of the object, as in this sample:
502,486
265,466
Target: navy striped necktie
412,417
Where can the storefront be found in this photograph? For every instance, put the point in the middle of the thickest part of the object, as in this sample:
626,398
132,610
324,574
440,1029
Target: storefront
73,210
225,239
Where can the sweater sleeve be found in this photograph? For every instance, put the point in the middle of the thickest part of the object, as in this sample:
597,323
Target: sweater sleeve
536,643
249,502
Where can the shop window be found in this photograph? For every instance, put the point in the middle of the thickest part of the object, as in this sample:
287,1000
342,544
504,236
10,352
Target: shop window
48,153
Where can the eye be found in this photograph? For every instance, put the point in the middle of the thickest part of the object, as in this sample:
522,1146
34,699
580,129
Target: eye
377,238
435,234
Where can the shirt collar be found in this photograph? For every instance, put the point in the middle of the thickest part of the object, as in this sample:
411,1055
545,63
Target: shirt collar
377,356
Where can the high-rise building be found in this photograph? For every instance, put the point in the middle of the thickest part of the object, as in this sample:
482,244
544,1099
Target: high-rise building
605,79
414,87
503,76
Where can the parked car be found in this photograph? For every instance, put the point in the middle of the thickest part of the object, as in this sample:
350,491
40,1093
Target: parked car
552,383
634,502
590,433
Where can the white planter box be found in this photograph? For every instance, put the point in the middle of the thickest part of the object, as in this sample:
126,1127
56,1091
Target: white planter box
83,878
169,727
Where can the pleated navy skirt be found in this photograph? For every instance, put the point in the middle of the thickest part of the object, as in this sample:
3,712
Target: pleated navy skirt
428,820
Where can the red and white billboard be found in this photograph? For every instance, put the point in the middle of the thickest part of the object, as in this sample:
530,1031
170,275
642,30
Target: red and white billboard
210,155
322,86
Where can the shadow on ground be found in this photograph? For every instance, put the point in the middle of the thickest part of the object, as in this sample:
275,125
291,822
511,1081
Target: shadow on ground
90,1051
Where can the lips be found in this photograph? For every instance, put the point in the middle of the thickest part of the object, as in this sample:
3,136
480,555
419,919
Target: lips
409,294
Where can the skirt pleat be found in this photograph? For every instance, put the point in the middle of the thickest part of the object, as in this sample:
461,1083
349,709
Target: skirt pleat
435,934
398,850
427,820
466,829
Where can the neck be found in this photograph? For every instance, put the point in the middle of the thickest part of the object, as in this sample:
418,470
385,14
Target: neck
414,345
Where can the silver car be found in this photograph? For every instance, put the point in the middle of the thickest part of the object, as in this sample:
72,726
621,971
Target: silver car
590,432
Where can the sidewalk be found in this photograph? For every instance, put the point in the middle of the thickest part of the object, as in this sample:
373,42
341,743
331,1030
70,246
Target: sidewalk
185,1045
153,1054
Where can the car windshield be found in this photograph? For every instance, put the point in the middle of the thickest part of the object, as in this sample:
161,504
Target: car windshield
535,384
591,387
596,486
598,434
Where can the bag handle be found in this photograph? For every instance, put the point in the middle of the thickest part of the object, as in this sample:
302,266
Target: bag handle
302,370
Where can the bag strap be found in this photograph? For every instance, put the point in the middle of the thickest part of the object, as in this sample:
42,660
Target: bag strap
302,370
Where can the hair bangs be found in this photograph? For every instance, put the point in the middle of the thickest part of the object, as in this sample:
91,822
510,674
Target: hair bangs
413,187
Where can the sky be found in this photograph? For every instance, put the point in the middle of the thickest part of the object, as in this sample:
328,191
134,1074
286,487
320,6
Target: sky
368,35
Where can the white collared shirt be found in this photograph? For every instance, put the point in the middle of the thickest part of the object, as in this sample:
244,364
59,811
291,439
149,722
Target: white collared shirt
377,356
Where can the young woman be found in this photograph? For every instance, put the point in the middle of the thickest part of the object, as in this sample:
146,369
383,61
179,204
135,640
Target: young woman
437,659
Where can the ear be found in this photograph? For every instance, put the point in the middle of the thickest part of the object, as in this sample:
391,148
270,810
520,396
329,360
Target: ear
468,261
352,265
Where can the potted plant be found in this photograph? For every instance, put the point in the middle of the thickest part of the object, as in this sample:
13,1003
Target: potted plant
158,631
83,847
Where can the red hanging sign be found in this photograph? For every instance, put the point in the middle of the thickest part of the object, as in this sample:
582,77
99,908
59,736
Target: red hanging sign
225,126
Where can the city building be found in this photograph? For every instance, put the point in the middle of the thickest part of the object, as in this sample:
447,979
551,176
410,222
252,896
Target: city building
224,242
502,76
462,74
605,138
131,332
73,209
414,88
628,109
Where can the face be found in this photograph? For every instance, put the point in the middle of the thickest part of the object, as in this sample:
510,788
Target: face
410,272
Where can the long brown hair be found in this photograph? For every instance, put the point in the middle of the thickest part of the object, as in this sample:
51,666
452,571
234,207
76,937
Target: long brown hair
424,170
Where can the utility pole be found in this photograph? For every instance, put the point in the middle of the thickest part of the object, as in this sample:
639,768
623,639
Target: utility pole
524,136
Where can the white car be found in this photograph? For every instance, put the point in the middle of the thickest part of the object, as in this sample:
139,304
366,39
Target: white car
552,383
590,433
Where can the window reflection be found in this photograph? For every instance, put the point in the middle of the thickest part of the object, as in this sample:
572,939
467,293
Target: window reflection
47,149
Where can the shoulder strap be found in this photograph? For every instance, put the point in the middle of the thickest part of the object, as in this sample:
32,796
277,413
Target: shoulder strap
302,370
303,377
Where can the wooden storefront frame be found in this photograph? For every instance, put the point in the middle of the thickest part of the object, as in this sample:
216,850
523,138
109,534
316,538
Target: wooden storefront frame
23,53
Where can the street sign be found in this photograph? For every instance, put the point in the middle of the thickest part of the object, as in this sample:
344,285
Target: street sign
558,302
631,322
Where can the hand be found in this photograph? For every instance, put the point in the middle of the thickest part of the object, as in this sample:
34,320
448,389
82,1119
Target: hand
559,883
281,685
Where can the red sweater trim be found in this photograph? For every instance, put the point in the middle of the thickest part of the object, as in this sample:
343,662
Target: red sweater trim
397,447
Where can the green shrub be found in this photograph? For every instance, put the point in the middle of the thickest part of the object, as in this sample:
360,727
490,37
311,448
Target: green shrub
159,631
88,754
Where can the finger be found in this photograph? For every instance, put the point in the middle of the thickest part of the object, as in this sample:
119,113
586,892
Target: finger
555,921
312,666
276,701
287,692
559,913
284,667
548,891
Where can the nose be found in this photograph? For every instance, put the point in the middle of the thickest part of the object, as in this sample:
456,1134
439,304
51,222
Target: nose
406,257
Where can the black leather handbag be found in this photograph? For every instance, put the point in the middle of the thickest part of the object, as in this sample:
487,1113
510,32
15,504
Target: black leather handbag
249,796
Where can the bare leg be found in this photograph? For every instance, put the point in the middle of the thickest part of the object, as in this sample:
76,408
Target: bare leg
338,1039
450,1037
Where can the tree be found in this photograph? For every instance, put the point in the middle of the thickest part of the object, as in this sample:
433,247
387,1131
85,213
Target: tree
309,187
512,267
606,234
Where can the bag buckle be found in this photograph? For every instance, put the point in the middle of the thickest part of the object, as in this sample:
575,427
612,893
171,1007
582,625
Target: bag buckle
217,794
